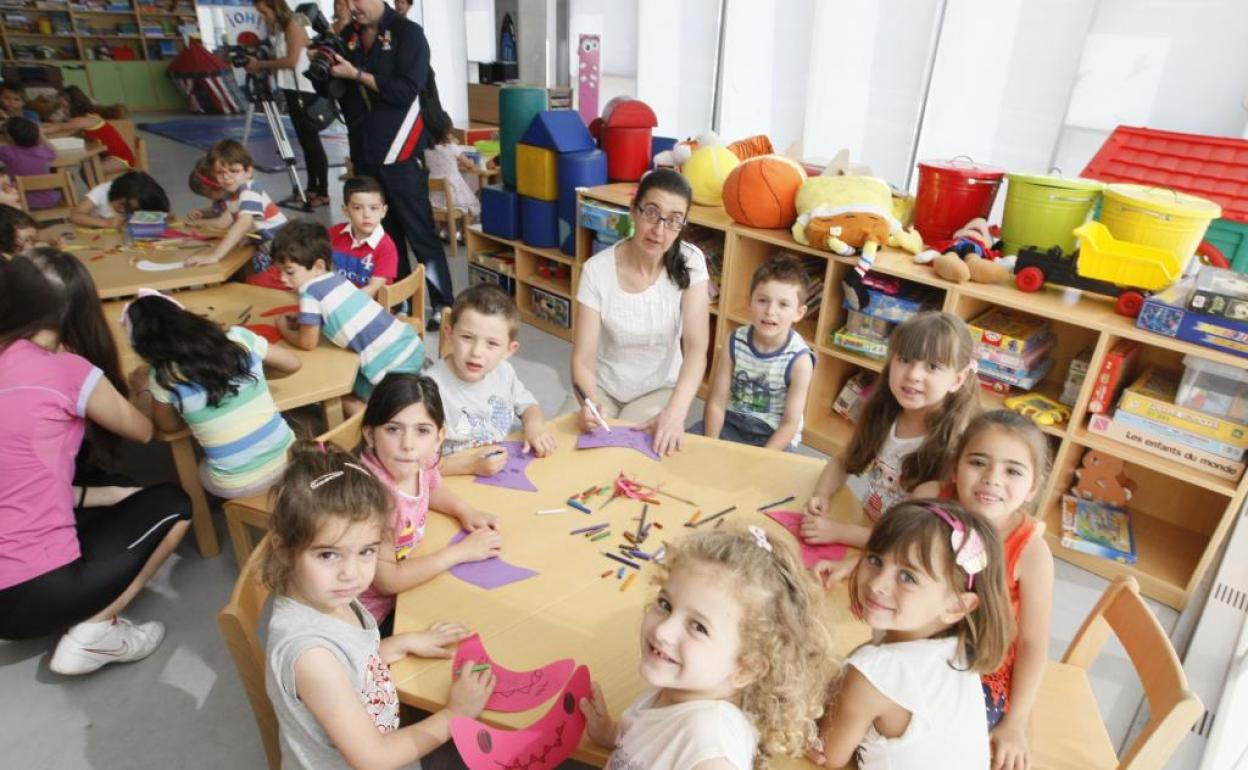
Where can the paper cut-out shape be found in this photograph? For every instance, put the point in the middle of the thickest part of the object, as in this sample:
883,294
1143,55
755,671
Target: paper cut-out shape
514,474
630,438
268,331
792,521
542,745
281,310
156,267
514,690
488,573
172,232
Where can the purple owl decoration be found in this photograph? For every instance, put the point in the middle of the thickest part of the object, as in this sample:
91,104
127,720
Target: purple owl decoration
587,96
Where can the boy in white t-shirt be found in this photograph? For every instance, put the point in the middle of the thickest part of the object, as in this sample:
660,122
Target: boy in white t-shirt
109,204
481,395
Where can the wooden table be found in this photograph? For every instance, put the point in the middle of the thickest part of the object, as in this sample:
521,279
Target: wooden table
112,263
327,374
88,159
569,610
486,175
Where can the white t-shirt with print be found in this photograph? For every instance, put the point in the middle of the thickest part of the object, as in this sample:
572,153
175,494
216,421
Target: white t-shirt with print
680,736
883,475
639,346
98,196
483,412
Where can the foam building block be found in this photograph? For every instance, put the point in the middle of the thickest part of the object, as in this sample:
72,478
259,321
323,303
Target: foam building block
558,130
517,106
537,172
626,140
579,169
500,212
539,222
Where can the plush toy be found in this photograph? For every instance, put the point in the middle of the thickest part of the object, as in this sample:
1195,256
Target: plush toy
974,253
762,191
1102,478
679,154
848,214
752,147
707,169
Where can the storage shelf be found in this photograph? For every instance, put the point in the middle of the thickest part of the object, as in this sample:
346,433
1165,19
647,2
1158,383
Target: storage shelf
551,285
151,96
857,359
533,320
990,400
1171,468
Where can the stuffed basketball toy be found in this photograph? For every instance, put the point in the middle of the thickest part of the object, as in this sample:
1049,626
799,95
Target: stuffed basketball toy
706,170
762,191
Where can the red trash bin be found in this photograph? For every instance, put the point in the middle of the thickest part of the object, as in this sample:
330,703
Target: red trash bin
952,193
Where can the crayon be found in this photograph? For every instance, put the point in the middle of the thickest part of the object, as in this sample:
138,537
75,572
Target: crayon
578,506
600,535
621,560
593,528
778,502
628,582
608,573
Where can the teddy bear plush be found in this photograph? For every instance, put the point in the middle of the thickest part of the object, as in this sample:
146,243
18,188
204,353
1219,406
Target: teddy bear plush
851,215
973,253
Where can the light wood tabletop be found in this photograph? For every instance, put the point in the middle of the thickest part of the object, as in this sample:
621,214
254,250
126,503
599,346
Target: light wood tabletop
113,263
569,609
327,374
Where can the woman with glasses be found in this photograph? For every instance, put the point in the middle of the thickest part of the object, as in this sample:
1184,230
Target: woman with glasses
642,320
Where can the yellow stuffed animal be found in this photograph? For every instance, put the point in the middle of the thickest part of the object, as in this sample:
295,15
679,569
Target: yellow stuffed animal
847,215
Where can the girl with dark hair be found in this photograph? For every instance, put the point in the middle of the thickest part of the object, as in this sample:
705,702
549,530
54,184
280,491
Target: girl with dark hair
213,381
83,117
642,319
403,433
71,558
445,158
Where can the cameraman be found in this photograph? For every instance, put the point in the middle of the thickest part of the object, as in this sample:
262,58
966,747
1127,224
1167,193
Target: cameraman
389,67
290,49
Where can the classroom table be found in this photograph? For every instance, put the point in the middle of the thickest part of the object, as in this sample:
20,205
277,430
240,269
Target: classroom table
112,263
89,159
570,609
327,374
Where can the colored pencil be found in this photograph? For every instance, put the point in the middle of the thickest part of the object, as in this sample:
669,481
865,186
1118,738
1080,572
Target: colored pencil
551,511
693,520
628,582
593,528
608,573
659,491
578,506
621,560
724,512
600,535
778,502
480,667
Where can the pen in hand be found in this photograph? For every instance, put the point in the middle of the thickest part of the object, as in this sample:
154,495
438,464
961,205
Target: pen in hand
592,409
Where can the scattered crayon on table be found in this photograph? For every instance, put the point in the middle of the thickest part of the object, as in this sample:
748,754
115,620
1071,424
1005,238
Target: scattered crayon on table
693,520
575,504
628,582
552,511
621,560
695,523
592,528
607,574
778,502
600,535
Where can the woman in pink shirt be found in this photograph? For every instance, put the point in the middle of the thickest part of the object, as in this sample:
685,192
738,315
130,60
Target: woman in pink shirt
71,558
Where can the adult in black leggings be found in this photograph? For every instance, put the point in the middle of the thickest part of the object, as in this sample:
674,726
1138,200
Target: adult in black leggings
290,49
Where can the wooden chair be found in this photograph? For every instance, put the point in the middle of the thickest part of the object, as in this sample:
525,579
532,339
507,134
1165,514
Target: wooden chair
238,622
125,127
444,334
412,287
1066,729
449,214
57,180
140,155
246,512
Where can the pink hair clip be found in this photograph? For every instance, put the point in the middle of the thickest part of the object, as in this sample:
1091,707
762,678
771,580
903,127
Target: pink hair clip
968,548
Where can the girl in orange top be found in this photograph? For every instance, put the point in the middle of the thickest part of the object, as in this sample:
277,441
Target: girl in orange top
83,118
1002,460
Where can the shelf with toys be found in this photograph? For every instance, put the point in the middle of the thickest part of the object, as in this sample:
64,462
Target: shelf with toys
541,280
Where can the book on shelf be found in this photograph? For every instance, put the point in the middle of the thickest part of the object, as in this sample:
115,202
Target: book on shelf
1152,396
1115,371
1097,529
1166,313
909,301
1162,446
867,346
1210,303
1014,361
1025,380
1203,443
1010,330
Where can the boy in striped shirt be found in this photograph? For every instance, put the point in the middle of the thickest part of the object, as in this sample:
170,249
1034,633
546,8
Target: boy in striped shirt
249,209
350,318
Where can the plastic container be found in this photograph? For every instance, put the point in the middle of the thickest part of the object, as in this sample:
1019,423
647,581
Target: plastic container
1214,388
1155,216
1043,211
952,193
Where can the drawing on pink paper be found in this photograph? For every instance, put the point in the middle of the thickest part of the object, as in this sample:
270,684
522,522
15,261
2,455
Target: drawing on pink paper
589,54
542,745
488,573
792,521
629,438
514,690
514,474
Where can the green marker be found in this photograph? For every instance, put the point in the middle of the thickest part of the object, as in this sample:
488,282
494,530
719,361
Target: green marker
480,667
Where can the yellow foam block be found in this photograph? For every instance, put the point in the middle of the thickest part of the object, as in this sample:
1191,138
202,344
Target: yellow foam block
536,172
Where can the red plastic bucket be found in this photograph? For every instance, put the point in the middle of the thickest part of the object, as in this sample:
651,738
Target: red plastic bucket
952,193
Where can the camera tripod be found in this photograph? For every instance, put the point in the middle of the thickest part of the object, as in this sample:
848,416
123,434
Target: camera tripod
260,93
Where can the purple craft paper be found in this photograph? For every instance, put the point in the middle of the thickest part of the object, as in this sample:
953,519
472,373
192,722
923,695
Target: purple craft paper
792,521
514,474
629,438
488,573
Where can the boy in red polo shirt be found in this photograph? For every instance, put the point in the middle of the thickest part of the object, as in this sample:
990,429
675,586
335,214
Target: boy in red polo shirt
363,253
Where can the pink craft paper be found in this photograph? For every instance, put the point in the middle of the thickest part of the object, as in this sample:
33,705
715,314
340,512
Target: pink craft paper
629,438
542,745
792,521
268,331
514,474
514,690
488,573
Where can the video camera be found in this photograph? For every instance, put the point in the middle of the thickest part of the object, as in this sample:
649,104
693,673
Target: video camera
321,51
239,54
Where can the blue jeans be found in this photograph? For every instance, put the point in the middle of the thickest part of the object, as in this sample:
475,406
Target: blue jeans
742,429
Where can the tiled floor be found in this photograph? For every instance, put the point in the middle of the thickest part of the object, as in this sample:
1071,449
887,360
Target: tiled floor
184,706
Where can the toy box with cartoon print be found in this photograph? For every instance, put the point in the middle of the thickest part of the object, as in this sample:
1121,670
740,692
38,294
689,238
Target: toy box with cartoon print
1166,313
611,221
899,307
1010,330
553,308
481,274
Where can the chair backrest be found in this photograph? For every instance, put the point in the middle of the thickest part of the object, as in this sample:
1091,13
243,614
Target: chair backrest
57,180
442,186
125,127
347,434
444,334
239,622
1173,708
140,154
412,287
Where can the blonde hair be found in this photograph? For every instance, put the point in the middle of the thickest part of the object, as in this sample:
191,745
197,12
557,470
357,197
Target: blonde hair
912,528
322,482
1017,426
784,638
939,338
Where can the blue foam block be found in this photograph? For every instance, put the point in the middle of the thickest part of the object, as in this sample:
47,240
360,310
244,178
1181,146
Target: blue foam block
558,130
500,212
578,169
567,237
539,222
660,143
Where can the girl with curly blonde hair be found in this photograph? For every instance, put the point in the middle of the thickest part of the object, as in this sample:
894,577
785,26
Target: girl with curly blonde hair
737,654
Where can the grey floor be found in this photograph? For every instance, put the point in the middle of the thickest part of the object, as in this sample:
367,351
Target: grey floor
184,707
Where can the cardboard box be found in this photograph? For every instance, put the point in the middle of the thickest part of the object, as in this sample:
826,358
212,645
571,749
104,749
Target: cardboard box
1115,372
1097,529
868,346
895,308
483,103
553,308
1010,330
1162,447
853,396
1204,444
1165,313
481,274
1025,380
1152,396
613,222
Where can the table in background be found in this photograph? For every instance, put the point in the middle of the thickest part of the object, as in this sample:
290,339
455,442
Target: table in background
327,374
568,610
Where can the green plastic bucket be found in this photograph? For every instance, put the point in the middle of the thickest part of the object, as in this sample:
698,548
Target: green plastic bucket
1042,210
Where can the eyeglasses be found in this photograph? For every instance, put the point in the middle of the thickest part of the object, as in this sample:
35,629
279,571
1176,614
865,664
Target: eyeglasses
673,222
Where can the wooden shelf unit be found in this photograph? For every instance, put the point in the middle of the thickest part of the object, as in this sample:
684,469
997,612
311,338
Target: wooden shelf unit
1181,514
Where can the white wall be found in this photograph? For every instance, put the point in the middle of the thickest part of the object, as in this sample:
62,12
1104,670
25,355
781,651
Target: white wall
443,21
481,31
535,33
677,47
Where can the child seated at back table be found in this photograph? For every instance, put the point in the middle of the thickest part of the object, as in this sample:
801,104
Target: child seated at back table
83,117
108,204
758,391
348,316
481,394
29,155
363,253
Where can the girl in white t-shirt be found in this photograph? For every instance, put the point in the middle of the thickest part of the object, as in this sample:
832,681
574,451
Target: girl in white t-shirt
932,586
925,396
737,653
642,319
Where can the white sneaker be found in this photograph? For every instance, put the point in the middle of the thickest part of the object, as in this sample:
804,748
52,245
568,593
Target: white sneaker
123,642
